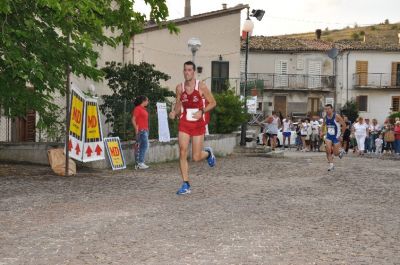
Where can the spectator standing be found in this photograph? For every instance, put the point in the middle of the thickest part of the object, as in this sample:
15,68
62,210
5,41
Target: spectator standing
360,129
286,131
397,137
367,138
346,134
303,132
315,132
374,131
140,121
379,144
389,137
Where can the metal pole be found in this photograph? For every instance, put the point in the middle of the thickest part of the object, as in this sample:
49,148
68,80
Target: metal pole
244,125
67,114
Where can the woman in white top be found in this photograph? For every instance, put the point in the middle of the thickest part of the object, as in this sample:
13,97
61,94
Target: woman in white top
360,129
304,133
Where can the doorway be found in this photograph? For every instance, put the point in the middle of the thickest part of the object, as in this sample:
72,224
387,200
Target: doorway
280,105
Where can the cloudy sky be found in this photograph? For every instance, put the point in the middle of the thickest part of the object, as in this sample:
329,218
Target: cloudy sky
293,16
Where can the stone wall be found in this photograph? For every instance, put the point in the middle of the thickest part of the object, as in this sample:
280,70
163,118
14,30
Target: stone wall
36,153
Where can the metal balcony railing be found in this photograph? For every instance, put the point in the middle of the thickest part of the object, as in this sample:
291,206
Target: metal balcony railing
294,81
375,80
263,81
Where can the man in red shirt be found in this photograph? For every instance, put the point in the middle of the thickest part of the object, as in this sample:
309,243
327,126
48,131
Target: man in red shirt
191,109
140,121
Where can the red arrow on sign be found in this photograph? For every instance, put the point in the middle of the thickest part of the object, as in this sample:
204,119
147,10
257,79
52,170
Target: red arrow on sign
69,145
89,151
77,149
98,150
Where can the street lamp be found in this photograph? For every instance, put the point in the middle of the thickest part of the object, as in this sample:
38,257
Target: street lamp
194,45
248,27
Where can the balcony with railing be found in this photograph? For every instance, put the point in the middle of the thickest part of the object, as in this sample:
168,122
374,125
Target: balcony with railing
376,80
262,81
295,81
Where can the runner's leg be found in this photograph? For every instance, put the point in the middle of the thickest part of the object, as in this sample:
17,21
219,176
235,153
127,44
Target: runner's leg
184,139
198,152
329,151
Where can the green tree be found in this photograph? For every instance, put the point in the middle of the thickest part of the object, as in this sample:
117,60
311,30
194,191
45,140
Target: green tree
229,113
350,109
127,82
40,38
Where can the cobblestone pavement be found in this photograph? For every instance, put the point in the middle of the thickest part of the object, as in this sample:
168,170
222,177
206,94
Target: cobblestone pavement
247,210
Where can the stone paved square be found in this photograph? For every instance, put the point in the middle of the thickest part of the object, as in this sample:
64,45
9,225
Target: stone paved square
247,210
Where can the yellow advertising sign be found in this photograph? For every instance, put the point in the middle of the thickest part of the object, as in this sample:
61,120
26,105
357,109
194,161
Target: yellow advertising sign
76,121
115,154
92,122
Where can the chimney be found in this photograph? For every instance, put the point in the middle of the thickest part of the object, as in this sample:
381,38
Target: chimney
318,34
187,8
224,6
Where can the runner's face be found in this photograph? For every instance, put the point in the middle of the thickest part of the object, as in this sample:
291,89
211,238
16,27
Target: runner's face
188,72
328,110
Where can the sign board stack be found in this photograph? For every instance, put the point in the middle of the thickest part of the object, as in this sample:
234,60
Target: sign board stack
85,133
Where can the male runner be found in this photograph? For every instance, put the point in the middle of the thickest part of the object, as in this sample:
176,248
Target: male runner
335,127
190,107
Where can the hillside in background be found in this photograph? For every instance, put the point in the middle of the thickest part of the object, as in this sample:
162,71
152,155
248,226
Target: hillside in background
380,33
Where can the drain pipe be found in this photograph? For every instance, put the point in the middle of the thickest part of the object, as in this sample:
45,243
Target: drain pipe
347,77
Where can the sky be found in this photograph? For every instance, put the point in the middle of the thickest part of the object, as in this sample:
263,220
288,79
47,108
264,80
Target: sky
296,16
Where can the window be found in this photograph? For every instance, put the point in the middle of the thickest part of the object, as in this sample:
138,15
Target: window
362,103
396,104
281,71
300,64
219,75
314,72
361,73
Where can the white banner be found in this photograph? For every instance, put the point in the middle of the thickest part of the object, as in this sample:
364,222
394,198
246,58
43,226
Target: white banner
252,105
163,128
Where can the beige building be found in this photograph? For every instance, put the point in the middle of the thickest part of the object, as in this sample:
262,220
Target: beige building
218,57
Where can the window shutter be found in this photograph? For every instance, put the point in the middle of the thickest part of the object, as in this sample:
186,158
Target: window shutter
362,73
362,102
396,104
281,71
394,73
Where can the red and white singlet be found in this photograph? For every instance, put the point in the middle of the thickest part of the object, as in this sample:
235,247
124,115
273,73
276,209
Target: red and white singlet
191,103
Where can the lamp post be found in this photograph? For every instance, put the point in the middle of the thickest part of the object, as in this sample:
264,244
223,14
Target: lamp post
248,27
194,45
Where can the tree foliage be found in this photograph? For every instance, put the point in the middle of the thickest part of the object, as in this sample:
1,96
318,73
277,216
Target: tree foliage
127,82
350,109
229,113
35,47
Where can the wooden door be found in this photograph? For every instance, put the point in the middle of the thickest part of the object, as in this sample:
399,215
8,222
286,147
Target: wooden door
313,106
362,73
280,104
24,128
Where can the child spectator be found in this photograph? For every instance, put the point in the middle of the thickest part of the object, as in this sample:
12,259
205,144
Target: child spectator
379,144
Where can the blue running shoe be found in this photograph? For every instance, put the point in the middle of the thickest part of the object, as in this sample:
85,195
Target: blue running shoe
211,160
185,189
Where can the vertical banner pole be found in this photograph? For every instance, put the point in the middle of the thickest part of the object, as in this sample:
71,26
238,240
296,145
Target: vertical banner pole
67,114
